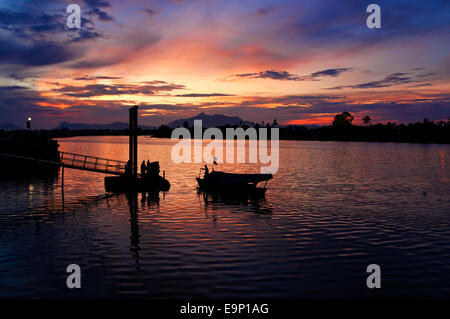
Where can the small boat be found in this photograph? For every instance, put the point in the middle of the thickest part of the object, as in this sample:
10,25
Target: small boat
150,182
217,181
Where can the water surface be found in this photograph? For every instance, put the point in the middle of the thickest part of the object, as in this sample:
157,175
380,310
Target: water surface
332,209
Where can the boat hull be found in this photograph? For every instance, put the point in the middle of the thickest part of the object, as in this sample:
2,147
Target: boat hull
124,184
230,188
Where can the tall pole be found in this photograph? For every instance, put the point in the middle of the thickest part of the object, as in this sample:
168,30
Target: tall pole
133,139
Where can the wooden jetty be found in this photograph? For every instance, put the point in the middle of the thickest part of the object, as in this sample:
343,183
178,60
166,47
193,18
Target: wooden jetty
126,177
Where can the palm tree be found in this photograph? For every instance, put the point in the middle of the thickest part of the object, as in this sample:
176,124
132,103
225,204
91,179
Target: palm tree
367,120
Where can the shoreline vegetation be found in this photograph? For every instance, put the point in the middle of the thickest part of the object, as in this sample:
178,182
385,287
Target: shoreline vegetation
341,129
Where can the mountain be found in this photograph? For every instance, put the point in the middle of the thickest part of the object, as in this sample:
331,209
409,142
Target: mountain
110,126
9,126
210,121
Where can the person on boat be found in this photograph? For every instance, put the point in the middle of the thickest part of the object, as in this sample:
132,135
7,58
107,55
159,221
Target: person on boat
206,170
147,172
153,169
143,168
128,168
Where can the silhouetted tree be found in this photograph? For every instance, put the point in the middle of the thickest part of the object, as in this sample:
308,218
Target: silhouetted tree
367,120
344,119
275,122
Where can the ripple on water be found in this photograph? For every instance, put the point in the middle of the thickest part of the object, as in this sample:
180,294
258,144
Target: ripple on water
332,209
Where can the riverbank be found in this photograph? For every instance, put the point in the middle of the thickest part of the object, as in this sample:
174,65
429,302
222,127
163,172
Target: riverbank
426,132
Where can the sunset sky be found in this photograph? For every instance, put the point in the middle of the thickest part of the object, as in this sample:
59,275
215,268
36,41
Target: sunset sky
299,62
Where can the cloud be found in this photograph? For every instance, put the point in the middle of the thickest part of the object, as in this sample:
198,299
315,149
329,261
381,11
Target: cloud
95,9
15,101
101,15
390,80
12,88
92,90
270,74
90,78
329,72
203,95
39,26
30,23
151,12
124,50
35,53
286,76
97,3
395,79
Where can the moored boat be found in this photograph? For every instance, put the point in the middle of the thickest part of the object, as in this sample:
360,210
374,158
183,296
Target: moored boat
150,181
233,183
123,184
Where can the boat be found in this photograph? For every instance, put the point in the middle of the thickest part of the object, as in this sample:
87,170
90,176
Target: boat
151,182
121,184
217,181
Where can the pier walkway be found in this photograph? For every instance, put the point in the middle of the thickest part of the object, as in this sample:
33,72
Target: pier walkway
81,162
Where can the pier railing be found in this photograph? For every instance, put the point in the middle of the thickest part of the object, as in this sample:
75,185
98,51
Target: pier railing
79,161
92,163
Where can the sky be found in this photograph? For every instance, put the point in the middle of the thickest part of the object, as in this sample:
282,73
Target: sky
300,62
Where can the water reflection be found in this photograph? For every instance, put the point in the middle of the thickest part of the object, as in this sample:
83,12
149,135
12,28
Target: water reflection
150,200
258,205
132,199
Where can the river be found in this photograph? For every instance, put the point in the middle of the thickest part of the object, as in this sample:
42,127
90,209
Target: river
332,209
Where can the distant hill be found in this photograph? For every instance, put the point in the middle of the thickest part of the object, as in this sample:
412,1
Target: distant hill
9,126
110,126
210,121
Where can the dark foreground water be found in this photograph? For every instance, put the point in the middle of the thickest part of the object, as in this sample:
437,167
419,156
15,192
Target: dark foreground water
332,209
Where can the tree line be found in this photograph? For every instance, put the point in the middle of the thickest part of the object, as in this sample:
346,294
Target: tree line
340,129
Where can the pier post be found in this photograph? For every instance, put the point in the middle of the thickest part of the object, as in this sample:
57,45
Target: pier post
62,185
133,139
